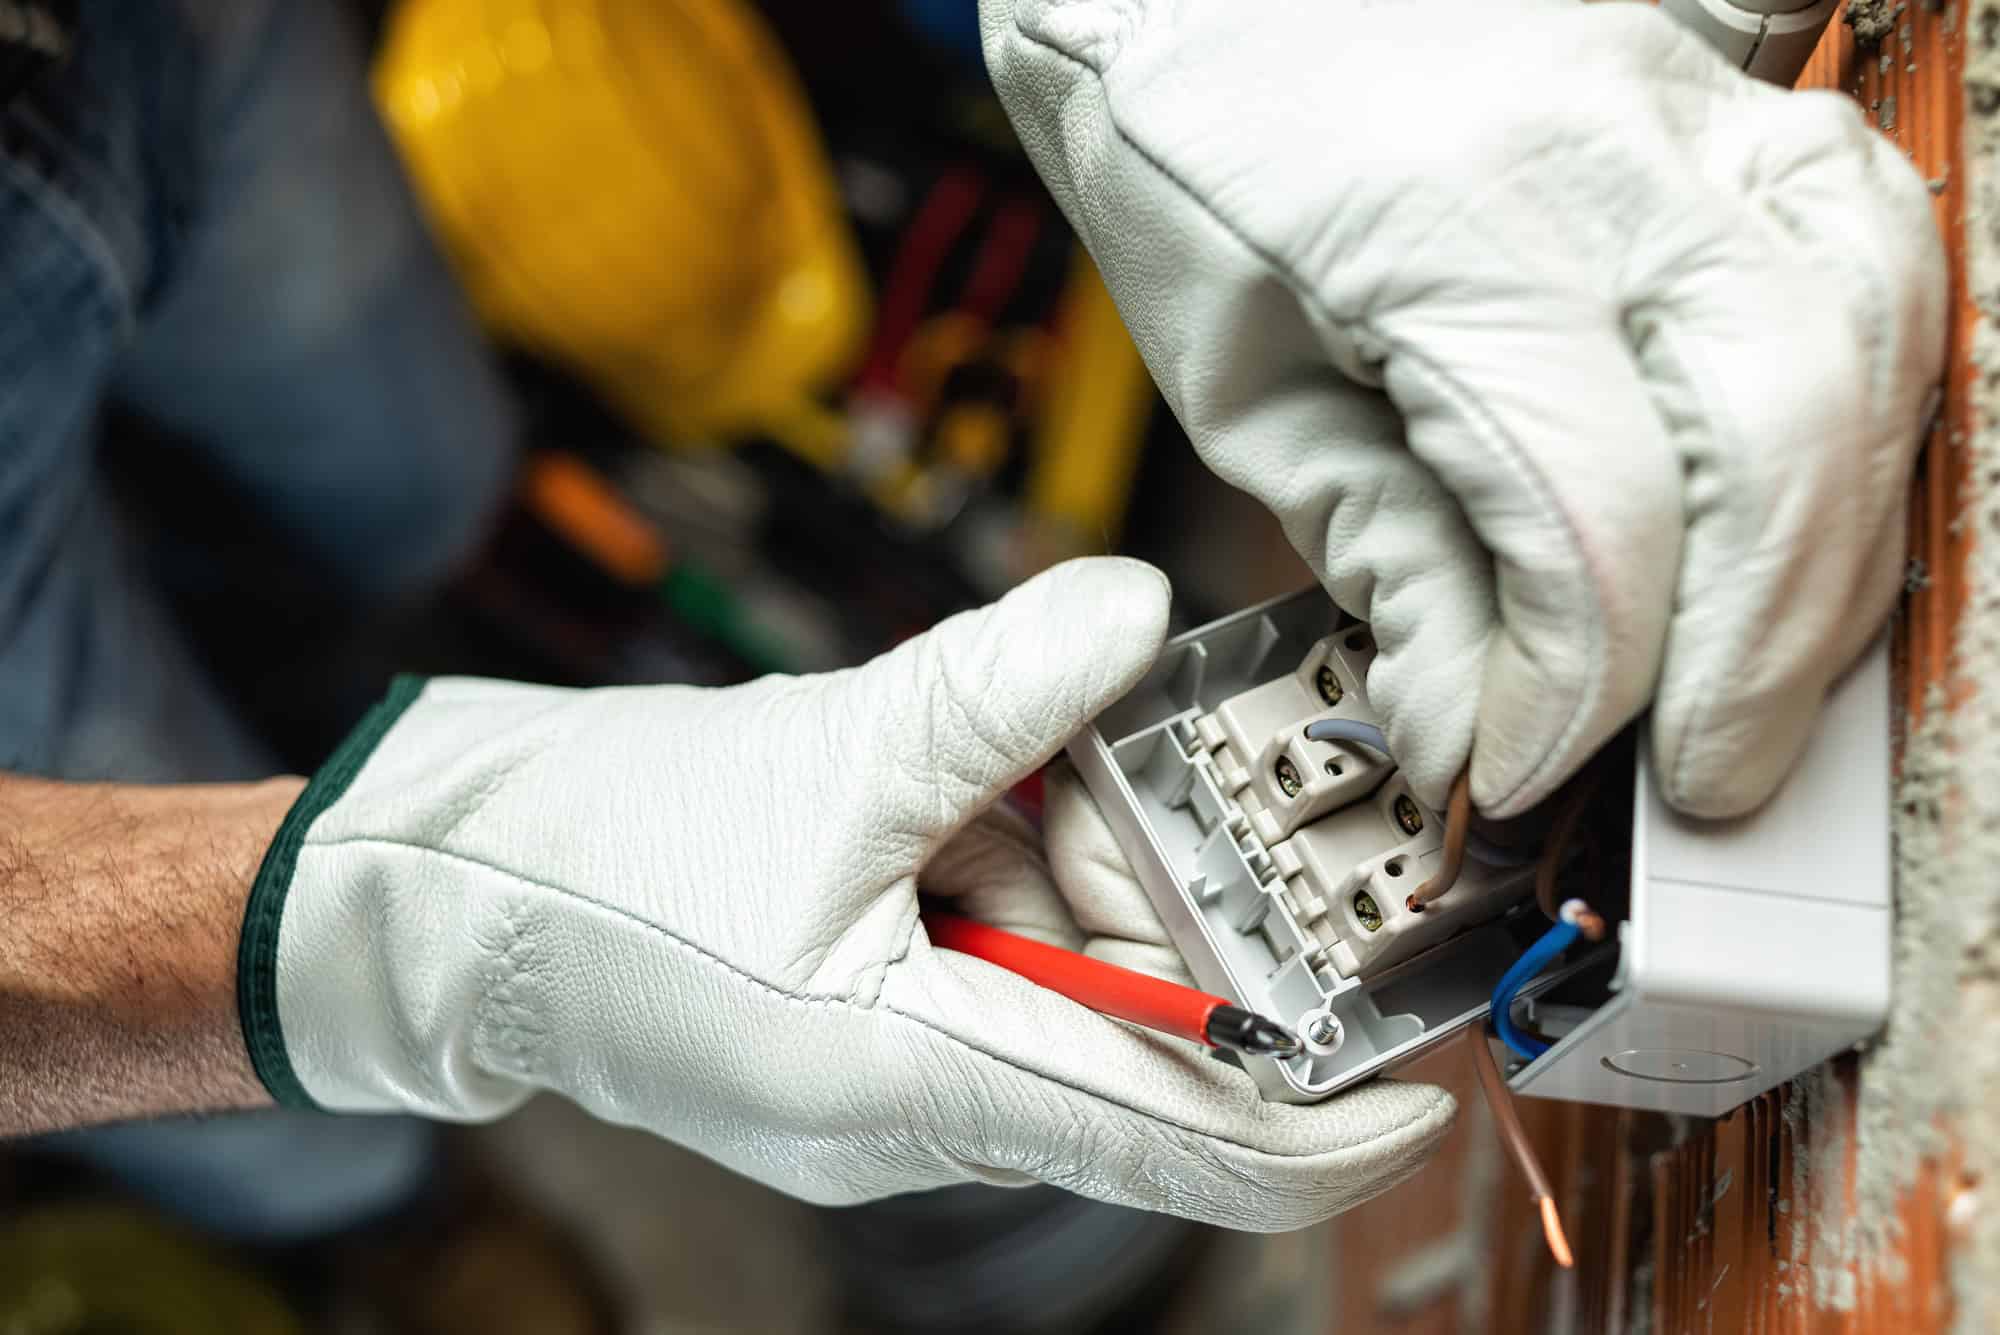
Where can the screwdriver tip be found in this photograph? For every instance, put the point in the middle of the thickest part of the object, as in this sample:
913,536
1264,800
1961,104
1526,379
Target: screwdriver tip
1244,1031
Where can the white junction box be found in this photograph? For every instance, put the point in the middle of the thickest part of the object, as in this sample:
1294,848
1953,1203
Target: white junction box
1745,952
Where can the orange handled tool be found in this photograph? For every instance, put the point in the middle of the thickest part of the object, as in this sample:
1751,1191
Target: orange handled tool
1124,994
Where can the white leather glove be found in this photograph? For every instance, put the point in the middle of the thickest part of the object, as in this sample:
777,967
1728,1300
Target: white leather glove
1585,369
695,911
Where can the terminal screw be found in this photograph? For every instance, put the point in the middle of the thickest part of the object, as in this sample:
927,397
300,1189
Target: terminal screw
1329,685
1367,911
1288,777
1407,815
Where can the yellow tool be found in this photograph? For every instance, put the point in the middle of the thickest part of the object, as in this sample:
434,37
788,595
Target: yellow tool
635,188
79,1267
1092,426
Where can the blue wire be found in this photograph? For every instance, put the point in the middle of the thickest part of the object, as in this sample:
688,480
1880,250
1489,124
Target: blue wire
1537,958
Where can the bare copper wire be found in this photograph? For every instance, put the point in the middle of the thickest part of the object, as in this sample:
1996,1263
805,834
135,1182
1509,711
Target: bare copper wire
1500,1100
1457,822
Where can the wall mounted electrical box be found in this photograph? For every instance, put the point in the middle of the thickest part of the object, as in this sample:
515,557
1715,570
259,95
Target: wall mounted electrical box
1745,951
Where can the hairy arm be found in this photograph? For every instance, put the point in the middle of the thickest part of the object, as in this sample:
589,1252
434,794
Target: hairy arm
120,907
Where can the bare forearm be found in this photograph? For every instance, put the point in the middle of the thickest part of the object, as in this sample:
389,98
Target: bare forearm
120,907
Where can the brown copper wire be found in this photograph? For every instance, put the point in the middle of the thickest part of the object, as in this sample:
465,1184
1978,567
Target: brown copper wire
1457,821
1507,1121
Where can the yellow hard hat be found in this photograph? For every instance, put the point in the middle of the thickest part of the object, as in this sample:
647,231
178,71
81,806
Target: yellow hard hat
634,188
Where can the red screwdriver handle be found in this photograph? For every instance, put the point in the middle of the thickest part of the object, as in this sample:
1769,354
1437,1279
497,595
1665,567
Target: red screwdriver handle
1122,993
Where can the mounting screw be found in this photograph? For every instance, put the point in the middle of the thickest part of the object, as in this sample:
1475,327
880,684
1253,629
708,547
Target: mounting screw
1333,768
1367,912
1407,814
1322,1033
1329,685
1288,777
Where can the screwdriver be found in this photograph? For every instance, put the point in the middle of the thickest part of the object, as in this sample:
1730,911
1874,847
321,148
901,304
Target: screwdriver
1123,994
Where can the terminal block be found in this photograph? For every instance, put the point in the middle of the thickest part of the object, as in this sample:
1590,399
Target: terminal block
1283,865
1347,839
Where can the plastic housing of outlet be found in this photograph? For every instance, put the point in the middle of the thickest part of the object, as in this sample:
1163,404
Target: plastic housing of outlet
1754,948
1261,889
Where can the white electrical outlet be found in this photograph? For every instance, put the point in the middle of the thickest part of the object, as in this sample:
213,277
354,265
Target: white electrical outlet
1282,867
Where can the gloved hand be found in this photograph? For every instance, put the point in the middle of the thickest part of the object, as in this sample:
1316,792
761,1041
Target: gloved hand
695,911
1585,369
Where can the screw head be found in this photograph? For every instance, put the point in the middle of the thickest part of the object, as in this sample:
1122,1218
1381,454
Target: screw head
1407,814
1330,689
1324,1031
1289,781
1367,912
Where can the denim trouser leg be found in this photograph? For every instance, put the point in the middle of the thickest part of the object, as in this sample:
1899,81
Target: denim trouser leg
200,217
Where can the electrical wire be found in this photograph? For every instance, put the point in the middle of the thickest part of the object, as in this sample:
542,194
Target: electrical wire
1459,836
1560,937
1507,1121
1457,815
1356,732
1457,825
1002,260
929,239
1351,730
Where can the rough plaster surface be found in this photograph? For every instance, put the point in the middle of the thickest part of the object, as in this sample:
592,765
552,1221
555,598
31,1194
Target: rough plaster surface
1872,19
1937,1064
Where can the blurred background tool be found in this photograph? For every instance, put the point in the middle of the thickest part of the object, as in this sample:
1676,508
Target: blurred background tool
89,1268
638,191
650,199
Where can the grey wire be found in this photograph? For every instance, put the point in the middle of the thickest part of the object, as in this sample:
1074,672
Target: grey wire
1349,730
1367,734
1353,730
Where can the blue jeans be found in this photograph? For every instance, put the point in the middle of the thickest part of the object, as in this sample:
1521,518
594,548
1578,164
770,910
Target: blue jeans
202,224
